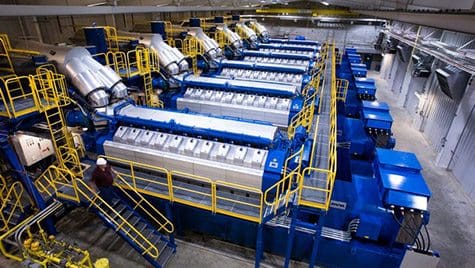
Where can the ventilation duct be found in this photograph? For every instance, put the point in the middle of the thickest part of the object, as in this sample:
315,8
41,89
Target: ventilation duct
452,81
403,52
421,64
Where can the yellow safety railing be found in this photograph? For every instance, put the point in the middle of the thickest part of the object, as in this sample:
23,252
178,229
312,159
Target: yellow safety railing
221,38
178,180
7,45
283,190
51,89
138,62
67,186
193,47
330,172
5,55
170,33
342,89
14,199
210,195
305,116
3,185
220,188
139,202
113,40
18,97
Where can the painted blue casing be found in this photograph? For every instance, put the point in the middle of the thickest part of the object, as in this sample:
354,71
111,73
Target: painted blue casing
262,67
158,27
350,51
361,145
274,163
400,180
278,55
376,115
369,227
295,107
225,86
295,42
365,86
284,46
96,36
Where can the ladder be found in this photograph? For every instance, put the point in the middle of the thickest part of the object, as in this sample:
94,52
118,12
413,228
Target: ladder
146,61
52,88
121,214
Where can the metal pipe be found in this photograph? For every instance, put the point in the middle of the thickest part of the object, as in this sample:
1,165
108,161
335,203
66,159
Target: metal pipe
35,219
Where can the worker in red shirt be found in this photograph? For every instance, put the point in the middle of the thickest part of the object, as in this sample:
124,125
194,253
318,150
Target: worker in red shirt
103,179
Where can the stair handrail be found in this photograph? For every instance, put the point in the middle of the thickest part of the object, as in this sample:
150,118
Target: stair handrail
166,225
151,250
284,188
14,194
75,182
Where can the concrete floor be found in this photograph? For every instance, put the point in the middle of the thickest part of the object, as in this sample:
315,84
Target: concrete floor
452,221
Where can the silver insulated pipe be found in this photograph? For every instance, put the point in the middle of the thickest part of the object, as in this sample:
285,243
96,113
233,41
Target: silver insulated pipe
233,37
90,78
250,34
261,30
170,57
211,47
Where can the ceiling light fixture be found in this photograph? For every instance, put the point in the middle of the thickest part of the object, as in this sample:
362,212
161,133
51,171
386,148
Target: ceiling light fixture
325,3
97,4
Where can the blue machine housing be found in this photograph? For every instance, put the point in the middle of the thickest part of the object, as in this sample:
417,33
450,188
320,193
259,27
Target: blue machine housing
191,130
400,181
295,41
284,46
280,55
358,69
262,67
265,67
235,86
365,88
171,99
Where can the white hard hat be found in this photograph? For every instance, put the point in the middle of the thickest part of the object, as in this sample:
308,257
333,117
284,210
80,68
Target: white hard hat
101,161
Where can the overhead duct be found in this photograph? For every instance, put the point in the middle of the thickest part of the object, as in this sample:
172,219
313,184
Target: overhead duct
452,81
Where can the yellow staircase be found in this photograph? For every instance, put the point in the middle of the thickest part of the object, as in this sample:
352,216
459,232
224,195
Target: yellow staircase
144,235
14,201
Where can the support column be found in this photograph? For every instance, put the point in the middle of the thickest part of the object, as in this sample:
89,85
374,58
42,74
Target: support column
408,77
318,231
259,245
169,214
290,237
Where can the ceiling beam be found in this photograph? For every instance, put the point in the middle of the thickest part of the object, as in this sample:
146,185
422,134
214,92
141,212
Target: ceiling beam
48,10
454,22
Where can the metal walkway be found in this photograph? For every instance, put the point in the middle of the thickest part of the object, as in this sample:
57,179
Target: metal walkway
317,180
